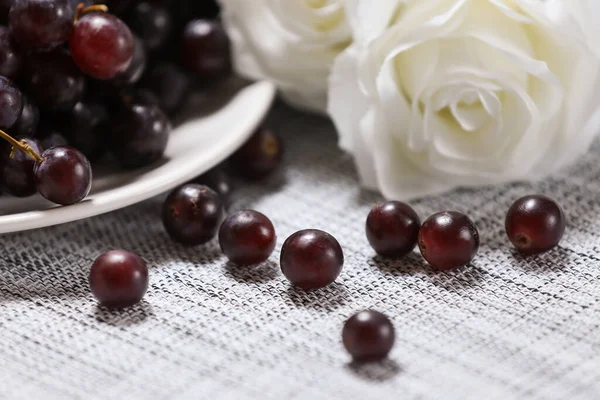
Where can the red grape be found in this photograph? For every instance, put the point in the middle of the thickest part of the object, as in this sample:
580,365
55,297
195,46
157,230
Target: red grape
101,45
64,176
11,103
206,49
119,279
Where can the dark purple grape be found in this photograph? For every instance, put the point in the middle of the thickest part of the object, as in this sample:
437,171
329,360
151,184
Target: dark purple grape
260,156
55,82
218,180
28,120
448,240
192,213
64,176
18,177
247,237
52,138
535,224
10,58
139,135
311,259
136,68
152,23
102,45
11,103
41,23
170,84
87,128
368,336
393,229
119,279
205,49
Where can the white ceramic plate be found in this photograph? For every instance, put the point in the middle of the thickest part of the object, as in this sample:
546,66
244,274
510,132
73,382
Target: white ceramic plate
230,116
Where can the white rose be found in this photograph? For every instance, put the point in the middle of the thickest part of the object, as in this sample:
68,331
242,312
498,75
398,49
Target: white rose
437,94
290,42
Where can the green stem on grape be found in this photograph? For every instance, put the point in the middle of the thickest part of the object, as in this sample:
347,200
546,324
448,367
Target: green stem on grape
82,10
21,145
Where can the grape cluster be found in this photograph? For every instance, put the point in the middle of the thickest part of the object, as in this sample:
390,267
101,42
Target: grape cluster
97,80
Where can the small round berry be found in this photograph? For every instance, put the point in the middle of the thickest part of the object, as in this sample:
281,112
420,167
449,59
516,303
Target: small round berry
448,240
170,84
247,237
368,336
41,23
152,23
119,279
206,49
11,103
27,123
260,156
192,213
535,224
311,259
101,45
140,134
54,81
64,176
393,229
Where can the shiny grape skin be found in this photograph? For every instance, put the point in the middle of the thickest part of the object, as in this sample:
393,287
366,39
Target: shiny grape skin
170,84
55,82
11,103
535,224
64,176
151,22
41,23
191,214
28,120
448,240
368,336
139,135
136,68
247,237
18,178
393,229
87,128
311,259
205,49
102,45
10,57
119,279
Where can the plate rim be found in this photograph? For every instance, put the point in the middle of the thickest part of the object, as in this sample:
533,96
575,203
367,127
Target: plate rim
36,219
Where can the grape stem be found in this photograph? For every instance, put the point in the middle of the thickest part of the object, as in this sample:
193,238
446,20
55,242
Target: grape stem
21,145
82,10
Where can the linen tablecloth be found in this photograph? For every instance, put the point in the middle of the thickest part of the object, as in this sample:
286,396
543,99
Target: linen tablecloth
505,327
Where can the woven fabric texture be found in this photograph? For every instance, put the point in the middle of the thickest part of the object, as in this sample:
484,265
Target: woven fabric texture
505,327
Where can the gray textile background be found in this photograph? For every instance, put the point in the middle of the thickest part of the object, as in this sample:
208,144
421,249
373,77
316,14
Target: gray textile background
506,327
